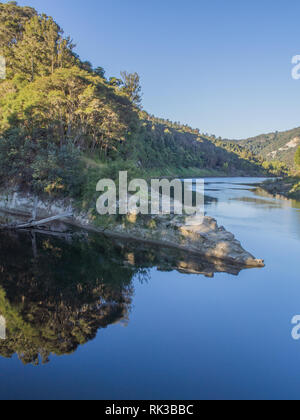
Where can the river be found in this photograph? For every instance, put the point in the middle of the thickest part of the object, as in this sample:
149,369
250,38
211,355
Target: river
92,318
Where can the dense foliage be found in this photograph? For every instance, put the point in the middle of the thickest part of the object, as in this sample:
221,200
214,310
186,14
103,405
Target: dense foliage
46,167
162,144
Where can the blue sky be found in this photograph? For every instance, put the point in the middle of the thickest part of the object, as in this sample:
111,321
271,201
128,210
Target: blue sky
222,66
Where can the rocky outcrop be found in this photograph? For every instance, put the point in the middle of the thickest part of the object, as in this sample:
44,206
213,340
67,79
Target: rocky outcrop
201,237
204,238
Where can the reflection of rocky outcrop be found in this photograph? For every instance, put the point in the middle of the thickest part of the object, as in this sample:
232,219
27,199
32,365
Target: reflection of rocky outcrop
55,294
168,259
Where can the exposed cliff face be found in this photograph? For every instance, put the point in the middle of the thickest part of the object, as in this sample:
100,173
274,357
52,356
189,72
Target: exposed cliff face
204,238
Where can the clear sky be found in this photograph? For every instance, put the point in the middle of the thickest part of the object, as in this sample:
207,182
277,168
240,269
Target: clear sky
223,66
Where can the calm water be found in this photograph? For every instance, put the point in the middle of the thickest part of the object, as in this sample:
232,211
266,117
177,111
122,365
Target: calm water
91,318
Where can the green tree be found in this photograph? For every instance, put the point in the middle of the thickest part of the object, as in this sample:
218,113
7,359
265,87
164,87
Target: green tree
71,104
12,21
132,87
32,44
29,53
42,49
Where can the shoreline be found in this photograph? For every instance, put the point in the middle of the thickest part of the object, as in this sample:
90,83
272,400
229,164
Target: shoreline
206,240
255,263
288,188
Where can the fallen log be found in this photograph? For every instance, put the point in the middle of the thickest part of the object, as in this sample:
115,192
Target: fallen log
37,223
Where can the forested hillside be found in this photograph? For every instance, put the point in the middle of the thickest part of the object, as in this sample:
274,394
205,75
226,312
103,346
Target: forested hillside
275,146
64,124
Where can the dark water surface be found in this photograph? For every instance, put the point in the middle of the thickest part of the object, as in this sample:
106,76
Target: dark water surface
91,318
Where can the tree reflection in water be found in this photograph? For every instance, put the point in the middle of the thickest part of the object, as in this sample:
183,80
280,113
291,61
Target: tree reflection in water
56,294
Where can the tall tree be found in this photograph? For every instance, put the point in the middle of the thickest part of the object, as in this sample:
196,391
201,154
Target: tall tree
132,87
52,38
29,51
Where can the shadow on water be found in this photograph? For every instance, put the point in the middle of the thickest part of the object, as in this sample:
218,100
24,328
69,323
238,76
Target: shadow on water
56,294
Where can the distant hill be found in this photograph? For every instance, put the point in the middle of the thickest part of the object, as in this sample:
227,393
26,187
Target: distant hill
278,146
178,149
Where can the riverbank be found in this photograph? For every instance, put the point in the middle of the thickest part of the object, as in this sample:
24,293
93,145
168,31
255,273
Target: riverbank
286,187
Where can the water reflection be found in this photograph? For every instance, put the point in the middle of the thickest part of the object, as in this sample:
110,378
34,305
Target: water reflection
58,299
292,207
267,204
57,293
284,202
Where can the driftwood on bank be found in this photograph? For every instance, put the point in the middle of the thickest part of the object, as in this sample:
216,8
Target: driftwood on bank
37,223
